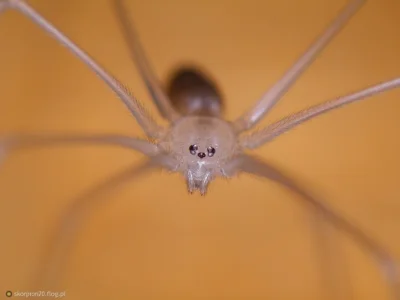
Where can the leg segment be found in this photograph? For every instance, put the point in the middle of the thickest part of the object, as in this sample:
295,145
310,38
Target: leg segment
331,259
139,57
148,125
274,94
60,246
386,262
260,137
16,142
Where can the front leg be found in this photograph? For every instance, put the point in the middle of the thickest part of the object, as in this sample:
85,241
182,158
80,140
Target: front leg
276,92
152,129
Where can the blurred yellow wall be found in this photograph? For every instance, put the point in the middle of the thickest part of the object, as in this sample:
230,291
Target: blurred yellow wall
249,238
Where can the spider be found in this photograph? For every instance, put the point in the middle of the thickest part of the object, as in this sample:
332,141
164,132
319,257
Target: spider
199,143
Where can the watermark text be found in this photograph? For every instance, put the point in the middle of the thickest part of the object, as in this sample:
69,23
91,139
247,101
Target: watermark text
26,294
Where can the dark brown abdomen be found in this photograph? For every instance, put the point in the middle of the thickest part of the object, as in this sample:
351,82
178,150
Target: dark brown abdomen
192,93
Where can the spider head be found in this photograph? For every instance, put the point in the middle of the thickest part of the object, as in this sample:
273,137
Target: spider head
201,145
200,166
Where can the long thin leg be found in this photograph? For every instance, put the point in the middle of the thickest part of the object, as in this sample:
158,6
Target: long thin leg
386,262
139,57
276,129
17,142
330,259
55,258
272,96
145,121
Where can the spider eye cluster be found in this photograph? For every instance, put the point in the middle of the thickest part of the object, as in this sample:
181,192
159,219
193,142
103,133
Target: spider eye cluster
193,149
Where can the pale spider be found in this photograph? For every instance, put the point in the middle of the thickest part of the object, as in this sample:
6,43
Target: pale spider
199,143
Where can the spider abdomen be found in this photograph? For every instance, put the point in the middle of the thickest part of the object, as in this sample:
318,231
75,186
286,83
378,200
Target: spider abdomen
193,93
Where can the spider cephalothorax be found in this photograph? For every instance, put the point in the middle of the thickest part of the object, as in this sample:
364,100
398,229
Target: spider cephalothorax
201,147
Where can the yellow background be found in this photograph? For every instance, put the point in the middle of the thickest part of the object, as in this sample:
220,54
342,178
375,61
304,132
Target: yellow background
248,238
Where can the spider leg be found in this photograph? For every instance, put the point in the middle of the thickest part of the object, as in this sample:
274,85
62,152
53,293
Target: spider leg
11,143
55,257
386,262
275,93
260,137
143,118
139,57
330,258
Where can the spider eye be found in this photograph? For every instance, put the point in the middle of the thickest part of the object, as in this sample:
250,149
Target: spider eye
210,151
193,149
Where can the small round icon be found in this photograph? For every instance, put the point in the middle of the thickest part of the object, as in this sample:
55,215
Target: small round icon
8,293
